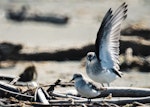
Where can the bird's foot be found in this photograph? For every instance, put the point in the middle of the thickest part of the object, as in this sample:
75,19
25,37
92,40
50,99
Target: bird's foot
103,88
89,100
109,96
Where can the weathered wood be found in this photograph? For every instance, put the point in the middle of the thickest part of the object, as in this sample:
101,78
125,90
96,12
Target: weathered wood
7,78
30,84
139,49
142,95
22,15
138,31
100,101
9,93
8,87
119,101
126,92
14,80
66,96
40,96
8,49
51,88
116,92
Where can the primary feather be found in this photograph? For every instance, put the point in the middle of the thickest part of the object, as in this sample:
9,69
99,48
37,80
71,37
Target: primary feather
107,42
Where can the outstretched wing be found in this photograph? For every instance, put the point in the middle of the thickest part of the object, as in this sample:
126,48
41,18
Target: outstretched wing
107,41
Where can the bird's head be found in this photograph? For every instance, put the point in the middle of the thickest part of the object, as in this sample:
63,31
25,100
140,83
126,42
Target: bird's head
76,76
91,56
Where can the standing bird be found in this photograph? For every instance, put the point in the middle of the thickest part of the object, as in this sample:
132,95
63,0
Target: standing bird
102,66
85,89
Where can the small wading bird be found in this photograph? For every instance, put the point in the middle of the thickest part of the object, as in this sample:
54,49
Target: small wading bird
102,66
85,89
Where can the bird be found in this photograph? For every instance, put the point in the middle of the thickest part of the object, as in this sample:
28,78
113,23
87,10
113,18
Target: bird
84,88
102,66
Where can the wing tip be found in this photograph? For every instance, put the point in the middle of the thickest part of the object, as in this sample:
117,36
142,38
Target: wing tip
117,73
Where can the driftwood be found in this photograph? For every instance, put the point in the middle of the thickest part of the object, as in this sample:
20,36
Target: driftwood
8,87
8,49
8,93
6,77
55,19
119,101
78,54
126,92
40,96
139,49
120,96
22,15
136,31
142,63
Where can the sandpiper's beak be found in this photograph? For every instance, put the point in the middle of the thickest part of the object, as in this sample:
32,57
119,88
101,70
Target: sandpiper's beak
89,58
71,79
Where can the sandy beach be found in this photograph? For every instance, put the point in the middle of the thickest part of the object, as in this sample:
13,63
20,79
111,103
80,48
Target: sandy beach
85,18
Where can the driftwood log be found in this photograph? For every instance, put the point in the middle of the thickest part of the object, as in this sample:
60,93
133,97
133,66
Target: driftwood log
120,96
135,30
23,15
78,54
139,46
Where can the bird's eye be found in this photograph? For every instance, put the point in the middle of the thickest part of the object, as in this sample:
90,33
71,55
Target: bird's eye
94,57
90,56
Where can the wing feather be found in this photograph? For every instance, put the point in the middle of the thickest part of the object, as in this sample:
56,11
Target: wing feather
107,41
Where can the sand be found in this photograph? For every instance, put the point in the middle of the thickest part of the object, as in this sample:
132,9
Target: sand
85,18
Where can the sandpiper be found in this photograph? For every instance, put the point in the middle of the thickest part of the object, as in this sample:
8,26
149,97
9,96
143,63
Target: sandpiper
84,88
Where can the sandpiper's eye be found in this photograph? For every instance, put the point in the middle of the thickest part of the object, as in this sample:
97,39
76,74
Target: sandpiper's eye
95,56
89,56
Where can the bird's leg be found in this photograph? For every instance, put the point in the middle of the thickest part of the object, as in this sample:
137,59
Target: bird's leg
108,84
102,85
103,88
109,96
89,100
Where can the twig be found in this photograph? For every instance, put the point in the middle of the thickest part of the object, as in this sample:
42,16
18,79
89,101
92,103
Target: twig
14,80
6,77
16,94
119,101
8,87
51,88
66,96
39,94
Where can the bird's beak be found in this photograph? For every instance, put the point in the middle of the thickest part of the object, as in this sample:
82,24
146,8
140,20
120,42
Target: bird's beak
71,80
89,59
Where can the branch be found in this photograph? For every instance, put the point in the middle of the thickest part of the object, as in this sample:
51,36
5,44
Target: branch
15,94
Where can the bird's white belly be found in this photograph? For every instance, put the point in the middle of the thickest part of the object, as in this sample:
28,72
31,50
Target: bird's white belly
87,92
103,77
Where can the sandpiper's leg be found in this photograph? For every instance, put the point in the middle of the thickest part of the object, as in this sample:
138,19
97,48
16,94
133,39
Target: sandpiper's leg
108,84
102,84
89,100
103,88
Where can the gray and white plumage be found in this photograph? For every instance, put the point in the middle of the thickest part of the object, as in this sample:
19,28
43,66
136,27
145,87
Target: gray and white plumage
103,65
85,89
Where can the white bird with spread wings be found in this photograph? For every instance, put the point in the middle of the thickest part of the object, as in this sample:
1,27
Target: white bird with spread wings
102,66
